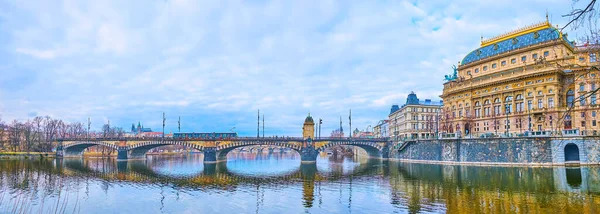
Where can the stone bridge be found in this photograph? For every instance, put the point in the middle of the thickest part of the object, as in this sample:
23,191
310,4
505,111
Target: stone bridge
216,150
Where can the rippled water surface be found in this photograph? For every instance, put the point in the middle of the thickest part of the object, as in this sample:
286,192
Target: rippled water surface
279,183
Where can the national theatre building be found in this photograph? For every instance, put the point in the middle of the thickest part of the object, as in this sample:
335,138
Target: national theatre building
530,81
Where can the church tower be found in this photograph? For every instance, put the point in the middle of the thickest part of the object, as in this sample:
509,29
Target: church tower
308,129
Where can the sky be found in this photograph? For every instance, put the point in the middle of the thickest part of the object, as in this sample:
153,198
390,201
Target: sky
216,63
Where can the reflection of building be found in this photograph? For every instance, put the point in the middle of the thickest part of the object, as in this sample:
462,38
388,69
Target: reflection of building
415,119
381,129
523,80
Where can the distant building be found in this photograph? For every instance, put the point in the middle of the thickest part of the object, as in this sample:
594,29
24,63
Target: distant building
140,131
381,129
414,120
140,128
362,134
337,133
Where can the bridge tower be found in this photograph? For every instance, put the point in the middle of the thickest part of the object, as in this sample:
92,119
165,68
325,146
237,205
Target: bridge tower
308,129
308,153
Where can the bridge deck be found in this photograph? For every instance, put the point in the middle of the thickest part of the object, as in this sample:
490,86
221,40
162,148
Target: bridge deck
244,139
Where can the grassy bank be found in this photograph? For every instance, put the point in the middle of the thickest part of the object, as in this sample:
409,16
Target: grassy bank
99,154
9,155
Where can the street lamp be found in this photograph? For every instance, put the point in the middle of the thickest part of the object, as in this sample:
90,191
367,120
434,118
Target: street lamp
506,123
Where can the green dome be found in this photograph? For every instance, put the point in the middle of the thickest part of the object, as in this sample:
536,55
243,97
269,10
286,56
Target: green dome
309,119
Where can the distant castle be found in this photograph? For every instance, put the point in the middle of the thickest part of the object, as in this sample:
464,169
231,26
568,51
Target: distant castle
140,128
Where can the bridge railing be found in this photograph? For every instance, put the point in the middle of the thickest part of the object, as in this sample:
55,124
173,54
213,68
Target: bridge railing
352,139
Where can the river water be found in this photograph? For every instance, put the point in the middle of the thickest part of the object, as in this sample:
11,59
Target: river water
279,183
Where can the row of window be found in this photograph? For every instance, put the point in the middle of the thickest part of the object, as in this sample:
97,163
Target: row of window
582,87
508,87
592,58
512,61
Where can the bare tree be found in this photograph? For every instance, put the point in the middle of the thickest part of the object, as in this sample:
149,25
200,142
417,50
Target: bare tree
15,135
3,133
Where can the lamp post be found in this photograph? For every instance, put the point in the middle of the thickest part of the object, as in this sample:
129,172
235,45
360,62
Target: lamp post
437,125
320,122
163,132
506,123
88,130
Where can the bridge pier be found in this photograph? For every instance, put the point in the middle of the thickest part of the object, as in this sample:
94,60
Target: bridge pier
385,151
122,154
211,155
308,155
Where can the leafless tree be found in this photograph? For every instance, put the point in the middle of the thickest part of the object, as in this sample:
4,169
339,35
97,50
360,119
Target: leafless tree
3,133
15,135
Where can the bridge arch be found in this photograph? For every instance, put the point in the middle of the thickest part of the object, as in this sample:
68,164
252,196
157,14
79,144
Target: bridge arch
223,150
77,148
139,150
373,149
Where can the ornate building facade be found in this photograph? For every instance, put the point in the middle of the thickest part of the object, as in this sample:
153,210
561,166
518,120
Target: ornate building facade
529,81
415,119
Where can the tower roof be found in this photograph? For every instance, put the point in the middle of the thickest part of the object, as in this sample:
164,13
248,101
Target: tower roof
309,119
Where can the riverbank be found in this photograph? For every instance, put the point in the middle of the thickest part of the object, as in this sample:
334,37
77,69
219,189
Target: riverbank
26,155
543,151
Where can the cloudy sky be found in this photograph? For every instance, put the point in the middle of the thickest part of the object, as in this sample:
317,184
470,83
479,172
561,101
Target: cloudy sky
215,63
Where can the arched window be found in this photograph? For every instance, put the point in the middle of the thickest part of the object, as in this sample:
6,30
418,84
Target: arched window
508,99
477,103
486,102
496,100
570,98
519,97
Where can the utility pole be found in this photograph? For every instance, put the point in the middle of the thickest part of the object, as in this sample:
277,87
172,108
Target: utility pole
341,132
350,121
179,125
88,131
263,126
164,119
437,124
506,123
417,123
320,122
258,124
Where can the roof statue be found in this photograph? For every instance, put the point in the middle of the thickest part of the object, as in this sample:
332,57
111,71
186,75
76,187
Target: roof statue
454,75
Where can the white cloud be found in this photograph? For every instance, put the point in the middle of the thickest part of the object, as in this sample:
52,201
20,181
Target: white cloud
41,54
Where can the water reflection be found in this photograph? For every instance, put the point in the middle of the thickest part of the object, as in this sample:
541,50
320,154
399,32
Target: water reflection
278,183
574,177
